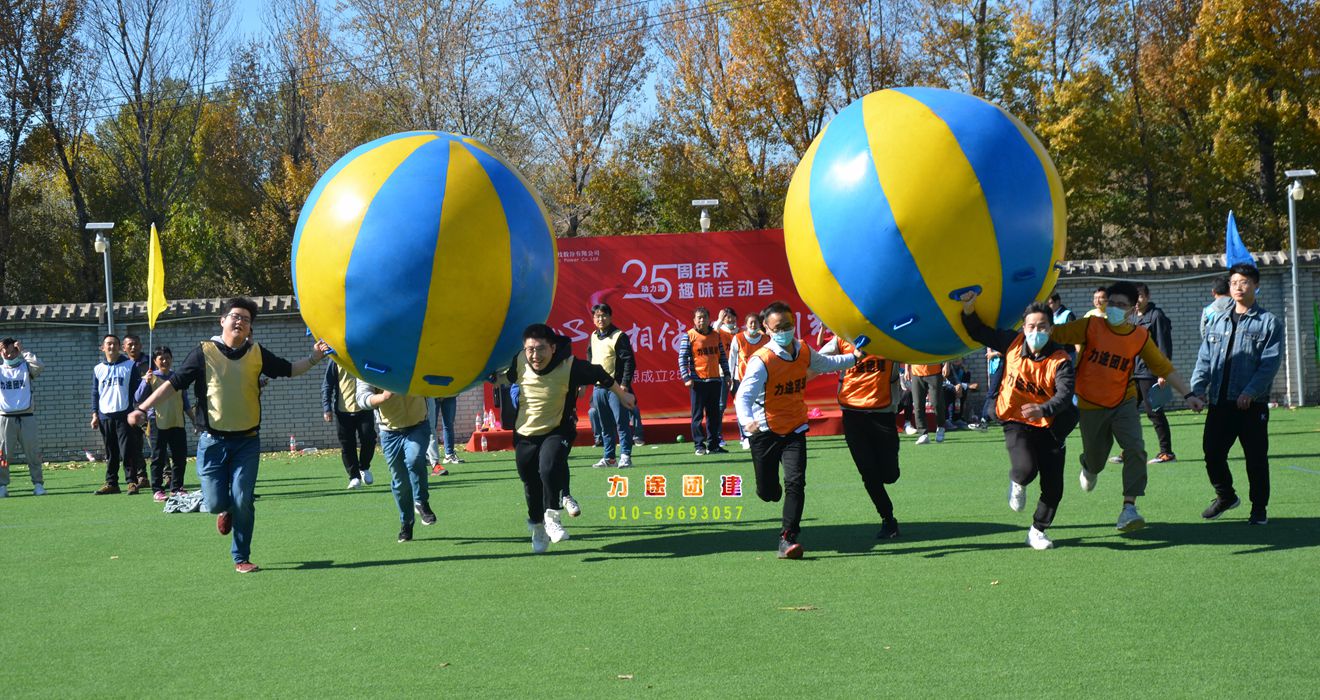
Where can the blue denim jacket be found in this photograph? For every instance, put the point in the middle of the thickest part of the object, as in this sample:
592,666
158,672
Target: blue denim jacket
1256,355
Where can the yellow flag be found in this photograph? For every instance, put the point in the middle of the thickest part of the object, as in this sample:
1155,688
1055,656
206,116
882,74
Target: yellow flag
155,281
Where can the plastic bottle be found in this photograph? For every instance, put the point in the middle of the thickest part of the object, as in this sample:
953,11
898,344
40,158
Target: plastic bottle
483,443
88,454
490,420
293,444
477,424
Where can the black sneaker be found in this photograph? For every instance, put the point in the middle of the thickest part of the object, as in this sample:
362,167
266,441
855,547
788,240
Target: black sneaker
1258,517
424,510
1220,506
718,450
888,529
789,548
405,534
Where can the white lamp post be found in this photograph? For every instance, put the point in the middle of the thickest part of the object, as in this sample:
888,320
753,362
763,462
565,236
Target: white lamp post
102,246
705,205
1295,194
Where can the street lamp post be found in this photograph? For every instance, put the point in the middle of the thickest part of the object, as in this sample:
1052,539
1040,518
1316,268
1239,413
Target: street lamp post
102,246
705,205
1295,194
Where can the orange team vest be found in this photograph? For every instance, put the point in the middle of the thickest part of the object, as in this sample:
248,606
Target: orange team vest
1105,364
926,370
705,353
1027,381
785,390
746,348
865,385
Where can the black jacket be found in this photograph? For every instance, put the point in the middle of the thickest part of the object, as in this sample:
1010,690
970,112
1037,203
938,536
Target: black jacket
1161,333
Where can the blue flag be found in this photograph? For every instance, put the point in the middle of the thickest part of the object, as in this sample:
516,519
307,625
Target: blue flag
1235,251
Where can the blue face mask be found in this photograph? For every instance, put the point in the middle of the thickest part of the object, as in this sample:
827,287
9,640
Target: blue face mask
783,339
1115,316
753,336
1037,340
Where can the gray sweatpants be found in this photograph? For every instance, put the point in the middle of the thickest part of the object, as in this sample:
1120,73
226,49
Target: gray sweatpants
18,431
1100,428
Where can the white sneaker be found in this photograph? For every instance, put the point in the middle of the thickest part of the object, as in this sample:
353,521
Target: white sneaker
1017,496
569,504
1130,520
924,439
453,459
367,478
746,444
909,429
553,527
625,461
38,489
1116,459
354,483
1039,540
939,435
540,541
1087,480
604,464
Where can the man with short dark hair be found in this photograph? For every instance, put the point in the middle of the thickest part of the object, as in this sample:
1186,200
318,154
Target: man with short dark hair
1220,302
1062,314
354,425
1235,369
113,380
611,349
135,465
18,425
703,363
1152,318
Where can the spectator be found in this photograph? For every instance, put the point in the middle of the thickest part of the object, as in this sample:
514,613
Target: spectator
113,380
703,363
1221,303
18,425
1152,318
354,424
928,381
169,436
612,350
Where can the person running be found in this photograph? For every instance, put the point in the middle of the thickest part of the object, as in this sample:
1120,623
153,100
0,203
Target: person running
354,424
741,349
703,363
1235,369
169,437
548,378
1107,397
1035,407
404,428
441,412
226,372
612,350
18,424
113,381
868,395
772,408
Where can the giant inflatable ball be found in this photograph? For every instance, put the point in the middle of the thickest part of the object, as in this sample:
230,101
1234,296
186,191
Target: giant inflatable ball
908,198
420,258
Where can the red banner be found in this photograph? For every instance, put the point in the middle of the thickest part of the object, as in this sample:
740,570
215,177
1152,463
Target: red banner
654,282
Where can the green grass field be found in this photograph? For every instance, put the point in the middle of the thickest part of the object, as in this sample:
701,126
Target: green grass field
107,596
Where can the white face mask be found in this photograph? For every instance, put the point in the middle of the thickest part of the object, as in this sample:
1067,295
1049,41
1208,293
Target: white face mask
1036,340
1115,315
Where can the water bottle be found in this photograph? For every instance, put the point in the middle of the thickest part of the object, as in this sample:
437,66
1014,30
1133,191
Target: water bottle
477,425
490,420
293,444
88,454
483,443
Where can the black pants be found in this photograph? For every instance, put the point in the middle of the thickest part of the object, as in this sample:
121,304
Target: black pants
543,467
905,408
992,395
873,441
357,440
174,441
114,433
1033,451
706,398
1157,418
135,465
769,450
1226,423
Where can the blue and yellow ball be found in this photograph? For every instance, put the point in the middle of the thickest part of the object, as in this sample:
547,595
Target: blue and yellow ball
420,258
911,196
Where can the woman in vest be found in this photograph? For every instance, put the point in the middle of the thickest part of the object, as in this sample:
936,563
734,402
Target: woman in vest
548,378
741,348
868,395
226,372
404,429
772,409
169,437
1035,407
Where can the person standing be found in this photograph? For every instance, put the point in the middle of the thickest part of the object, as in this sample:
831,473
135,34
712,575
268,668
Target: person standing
113,381
135,465
928,381
1035,406
441,413
868,393
772,408
18,423
741,349
226,372
1060,313
1235,369
611,349
703,363
354,424
1220,303
403,433
1107,398
169,437
1152,318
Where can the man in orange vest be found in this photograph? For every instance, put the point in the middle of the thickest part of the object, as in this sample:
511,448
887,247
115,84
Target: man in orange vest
1035,406
772,409
1107,396
703,363
928,380
868,395
741,348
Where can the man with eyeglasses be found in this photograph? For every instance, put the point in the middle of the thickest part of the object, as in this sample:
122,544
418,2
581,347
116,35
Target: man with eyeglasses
225,372
1107,395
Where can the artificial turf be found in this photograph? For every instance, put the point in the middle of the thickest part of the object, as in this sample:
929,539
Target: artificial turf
108,596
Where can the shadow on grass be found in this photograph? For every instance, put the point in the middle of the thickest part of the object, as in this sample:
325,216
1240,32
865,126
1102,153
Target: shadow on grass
1281,534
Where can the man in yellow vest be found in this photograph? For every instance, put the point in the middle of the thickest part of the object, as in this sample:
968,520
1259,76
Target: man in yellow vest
772,408
611,349
226,371
703,363
1107,396
404,431
353,424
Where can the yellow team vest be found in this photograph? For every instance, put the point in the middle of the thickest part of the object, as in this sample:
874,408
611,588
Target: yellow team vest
169,413
233,397
542,397
401,412
604,352
348,402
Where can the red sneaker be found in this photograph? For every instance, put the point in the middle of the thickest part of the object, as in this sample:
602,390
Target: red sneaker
439,470
246,567
224,522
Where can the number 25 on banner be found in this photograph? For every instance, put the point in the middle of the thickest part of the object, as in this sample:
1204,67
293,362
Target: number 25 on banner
658,290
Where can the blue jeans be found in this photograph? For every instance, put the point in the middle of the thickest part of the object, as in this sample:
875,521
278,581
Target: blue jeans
405,452
227,469
441,411
615,423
